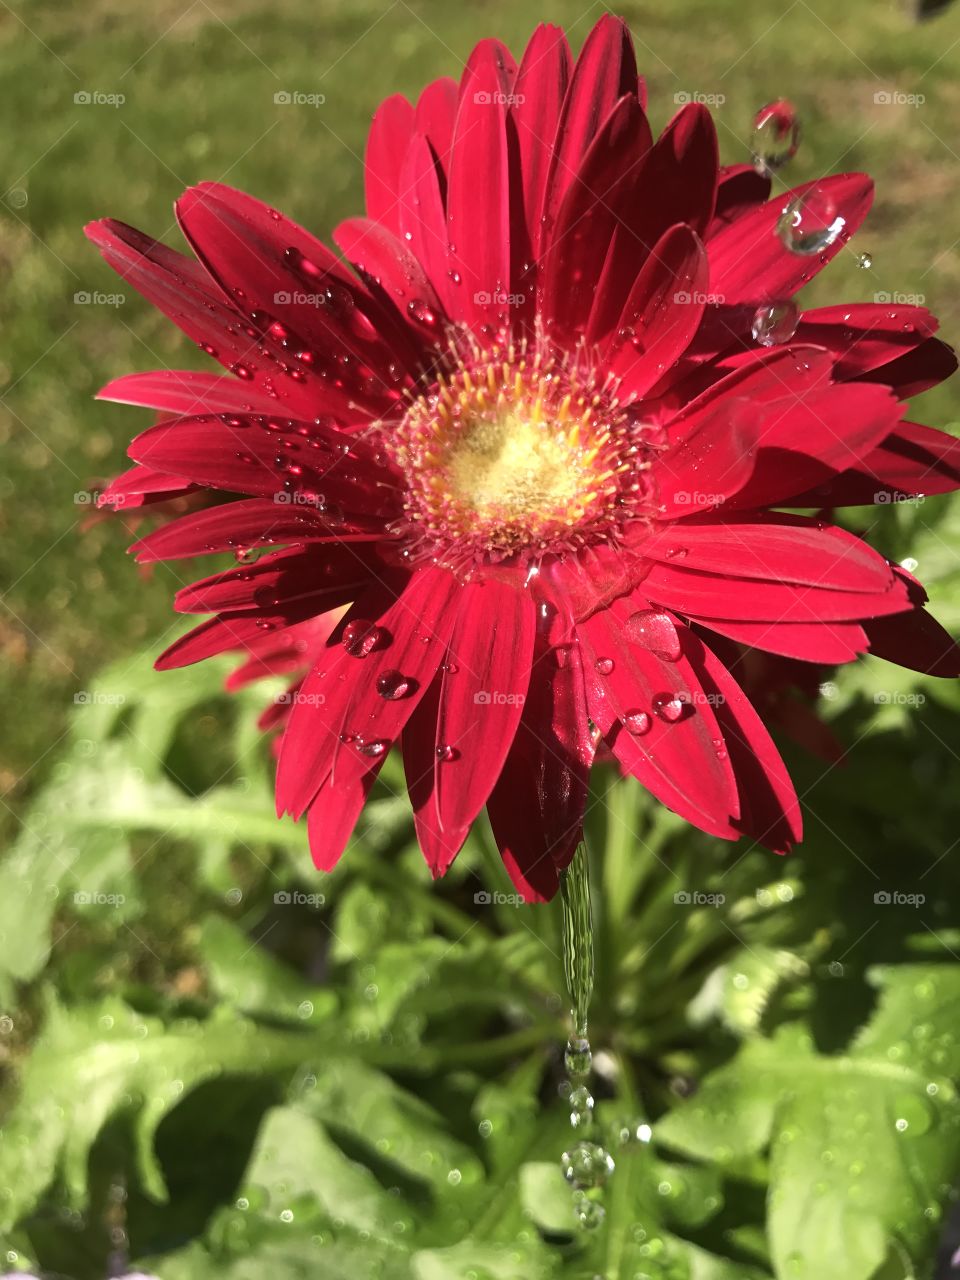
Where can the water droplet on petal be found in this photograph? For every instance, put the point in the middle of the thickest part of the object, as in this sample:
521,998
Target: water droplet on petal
810,222
669,706
392,685
374,749
446,753
654,630
637,722
361,637
776,136
774,322
604,666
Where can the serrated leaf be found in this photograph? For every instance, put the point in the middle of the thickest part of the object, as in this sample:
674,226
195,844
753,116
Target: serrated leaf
863,1146
94,1061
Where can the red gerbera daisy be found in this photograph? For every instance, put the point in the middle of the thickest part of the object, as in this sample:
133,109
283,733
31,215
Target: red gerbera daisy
534,432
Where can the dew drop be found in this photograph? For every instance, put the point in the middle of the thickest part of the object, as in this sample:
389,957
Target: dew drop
445,752
774,322
637,723
373,749
392,685
361,637
776,136
669,707
810,222
654,630
604,666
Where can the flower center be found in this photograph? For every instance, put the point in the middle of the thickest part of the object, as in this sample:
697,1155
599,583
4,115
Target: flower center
517,453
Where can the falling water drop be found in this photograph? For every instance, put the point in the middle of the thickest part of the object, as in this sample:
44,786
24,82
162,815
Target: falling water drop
865,261
776,136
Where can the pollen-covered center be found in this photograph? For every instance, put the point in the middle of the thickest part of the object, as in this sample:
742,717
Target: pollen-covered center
512,453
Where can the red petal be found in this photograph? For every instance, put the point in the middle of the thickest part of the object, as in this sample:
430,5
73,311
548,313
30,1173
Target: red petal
478,212
678,761
390,131
914,640
660,315
536,808
342,712
482,691
605,71
748,262
185,393
769,810
240,525
539,92
824,642
780,548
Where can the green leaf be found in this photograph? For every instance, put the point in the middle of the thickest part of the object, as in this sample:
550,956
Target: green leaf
92,1062
863,1146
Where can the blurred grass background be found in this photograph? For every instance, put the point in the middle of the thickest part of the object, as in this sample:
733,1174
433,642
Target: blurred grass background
198,82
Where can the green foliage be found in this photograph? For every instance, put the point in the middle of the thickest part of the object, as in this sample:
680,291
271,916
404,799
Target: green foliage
257,1071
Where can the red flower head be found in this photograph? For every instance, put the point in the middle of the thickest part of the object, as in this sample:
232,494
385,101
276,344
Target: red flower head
534,432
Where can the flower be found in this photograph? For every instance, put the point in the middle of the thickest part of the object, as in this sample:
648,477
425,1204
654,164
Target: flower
534,435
